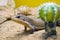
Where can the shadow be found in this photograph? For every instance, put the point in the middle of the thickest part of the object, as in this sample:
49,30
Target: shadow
28,32
25,32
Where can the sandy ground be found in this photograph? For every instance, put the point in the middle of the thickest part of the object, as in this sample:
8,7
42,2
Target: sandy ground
13,31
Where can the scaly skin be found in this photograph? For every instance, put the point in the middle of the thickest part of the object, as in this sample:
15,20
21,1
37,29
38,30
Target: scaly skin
32,21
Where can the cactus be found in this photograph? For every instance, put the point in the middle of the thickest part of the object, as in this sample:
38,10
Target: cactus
50,13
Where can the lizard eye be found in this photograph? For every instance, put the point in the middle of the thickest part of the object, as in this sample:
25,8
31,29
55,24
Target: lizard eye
18,17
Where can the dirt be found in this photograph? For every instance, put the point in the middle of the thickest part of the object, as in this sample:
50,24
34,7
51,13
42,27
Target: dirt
13,31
